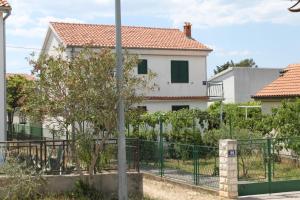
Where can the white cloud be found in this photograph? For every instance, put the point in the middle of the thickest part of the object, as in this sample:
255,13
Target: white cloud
218,13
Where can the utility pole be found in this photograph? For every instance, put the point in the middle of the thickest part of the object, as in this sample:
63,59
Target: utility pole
122,177
5,11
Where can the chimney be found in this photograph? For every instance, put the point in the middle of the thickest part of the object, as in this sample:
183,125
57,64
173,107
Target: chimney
187,29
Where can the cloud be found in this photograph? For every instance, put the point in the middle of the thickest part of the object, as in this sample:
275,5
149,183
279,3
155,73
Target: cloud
217,13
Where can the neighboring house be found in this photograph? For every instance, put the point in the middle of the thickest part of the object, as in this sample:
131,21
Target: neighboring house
240,83
286,86
178,60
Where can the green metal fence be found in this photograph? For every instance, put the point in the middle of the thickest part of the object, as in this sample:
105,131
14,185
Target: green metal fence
268,165
25,131
194,164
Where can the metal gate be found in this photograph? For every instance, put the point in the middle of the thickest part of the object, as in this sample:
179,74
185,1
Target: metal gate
192,164
268,166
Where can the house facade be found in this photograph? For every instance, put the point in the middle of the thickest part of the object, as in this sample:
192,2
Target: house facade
286,86
178,60
240,83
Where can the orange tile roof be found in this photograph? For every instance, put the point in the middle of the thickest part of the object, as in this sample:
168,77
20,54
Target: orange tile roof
27,76
3,3
72,34
287,85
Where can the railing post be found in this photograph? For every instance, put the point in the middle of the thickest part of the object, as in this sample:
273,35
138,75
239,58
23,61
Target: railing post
228,169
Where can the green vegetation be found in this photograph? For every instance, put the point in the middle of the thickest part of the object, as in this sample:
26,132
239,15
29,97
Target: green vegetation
243,63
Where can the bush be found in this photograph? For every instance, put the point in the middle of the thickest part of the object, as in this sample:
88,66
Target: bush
23,183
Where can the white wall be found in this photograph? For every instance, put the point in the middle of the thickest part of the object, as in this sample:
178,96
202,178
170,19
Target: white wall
165,106
161,65
241,83
248,81
266,106
228,86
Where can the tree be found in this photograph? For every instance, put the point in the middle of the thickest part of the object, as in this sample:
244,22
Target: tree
17,96
80,94
243,63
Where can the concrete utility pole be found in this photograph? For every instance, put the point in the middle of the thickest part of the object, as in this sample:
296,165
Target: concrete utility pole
4,13
122,177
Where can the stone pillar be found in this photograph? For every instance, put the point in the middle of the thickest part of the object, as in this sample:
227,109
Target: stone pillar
228,169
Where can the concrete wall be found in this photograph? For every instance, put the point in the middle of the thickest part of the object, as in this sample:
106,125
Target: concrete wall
106,183
248,81
267,105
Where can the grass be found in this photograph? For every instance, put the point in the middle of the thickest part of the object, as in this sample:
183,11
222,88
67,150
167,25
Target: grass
255,168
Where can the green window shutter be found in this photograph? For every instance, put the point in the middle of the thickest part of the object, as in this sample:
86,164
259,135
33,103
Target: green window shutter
142,67
179,71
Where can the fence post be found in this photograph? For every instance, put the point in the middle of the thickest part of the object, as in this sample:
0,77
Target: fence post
269,160
228,169
196,164
161,148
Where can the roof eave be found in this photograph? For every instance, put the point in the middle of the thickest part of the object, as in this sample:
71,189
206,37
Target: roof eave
177,49
275,96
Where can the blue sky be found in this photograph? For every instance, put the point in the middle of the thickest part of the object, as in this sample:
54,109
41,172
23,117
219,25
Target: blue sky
236,29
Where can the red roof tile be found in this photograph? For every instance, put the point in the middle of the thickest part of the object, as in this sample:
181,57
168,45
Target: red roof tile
4,3
132,37
287,85
170,98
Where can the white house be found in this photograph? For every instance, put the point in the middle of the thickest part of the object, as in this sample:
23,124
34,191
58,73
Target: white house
5,10
286,86
240,83
178,60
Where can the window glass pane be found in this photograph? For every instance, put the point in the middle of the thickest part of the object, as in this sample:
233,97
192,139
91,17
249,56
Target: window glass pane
142,67
175,108
179,71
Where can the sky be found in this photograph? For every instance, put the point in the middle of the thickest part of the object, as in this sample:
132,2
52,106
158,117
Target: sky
235,29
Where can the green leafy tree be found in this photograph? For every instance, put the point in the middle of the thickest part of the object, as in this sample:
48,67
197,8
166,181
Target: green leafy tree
17,96
243,63
80,94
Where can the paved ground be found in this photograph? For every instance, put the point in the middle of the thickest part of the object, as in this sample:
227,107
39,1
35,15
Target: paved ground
281,196
207,181
159,190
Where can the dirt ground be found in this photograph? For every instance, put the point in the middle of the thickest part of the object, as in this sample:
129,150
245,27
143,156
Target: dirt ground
165,191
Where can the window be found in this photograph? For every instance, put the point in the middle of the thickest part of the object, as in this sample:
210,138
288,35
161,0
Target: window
142,67
179,71
175,108
142,108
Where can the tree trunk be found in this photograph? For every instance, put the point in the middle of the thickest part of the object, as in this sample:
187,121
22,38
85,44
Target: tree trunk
95,155
74,154
10,122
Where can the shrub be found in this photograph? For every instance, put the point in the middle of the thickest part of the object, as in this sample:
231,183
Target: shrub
23,183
